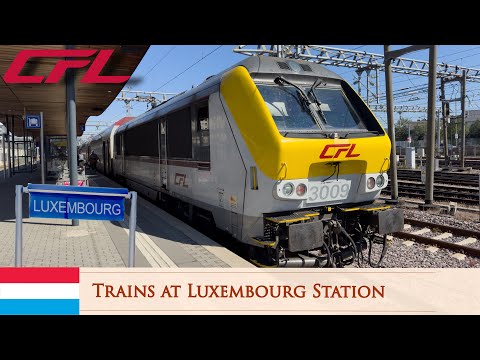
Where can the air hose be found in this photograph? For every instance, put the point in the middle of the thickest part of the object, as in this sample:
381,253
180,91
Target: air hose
330,261
384,251
355,252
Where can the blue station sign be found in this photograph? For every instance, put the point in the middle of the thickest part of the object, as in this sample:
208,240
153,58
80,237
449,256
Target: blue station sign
33,121
77,202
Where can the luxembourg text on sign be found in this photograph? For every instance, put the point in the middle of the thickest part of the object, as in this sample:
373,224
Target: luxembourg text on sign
77,202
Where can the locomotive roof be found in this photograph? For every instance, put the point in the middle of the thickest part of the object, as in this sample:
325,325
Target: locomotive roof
254,64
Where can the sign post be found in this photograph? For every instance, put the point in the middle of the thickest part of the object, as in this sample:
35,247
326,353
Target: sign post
42,149
131,234
75,202
4,160
18,225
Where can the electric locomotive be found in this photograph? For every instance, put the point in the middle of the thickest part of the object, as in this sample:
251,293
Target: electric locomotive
282,154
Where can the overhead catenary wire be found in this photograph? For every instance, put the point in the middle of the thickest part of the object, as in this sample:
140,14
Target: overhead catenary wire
114,117
465,57
185,70
415,82
188,68
396,76
418,84
160,60
458,52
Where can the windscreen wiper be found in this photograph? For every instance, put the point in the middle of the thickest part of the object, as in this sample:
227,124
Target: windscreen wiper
295,131
311,92
305,100
360,132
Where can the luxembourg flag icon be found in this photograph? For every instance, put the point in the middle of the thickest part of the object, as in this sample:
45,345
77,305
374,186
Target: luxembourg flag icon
39,291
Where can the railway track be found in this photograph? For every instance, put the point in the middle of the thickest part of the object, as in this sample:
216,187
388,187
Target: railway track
464,179
474,163
465,195
462,241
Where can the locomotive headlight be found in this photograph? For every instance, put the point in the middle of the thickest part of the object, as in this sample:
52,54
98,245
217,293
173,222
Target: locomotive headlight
288,189
370,183
380,180
301,189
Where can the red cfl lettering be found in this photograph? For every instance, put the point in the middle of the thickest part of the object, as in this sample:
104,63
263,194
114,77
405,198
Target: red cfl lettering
341,148
12,75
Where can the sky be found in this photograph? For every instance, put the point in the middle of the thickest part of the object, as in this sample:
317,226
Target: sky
176,68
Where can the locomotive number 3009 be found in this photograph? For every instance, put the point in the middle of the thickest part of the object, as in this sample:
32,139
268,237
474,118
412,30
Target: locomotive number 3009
319,191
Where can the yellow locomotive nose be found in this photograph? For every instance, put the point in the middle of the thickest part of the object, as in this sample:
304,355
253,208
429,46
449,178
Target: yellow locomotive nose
283,158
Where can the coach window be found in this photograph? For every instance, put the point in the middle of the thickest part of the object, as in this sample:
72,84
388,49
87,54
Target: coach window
179,135
202,133
142,140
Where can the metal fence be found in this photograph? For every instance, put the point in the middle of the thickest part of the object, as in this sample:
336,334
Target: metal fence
25,157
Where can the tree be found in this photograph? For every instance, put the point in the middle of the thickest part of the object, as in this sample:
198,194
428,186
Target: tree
401,129
474,130
418,131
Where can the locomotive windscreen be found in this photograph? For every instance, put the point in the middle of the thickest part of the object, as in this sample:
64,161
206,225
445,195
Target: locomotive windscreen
291,111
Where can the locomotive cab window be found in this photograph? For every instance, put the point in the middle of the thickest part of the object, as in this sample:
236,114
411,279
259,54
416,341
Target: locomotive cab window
201,136
202,119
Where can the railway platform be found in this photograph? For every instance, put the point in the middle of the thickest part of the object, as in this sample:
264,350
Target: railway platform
161,239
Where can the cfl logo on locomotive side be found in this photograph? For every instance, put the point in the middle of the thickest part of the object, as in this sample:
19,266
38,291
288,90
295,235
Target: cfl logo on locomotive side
12,75
330,153
180,180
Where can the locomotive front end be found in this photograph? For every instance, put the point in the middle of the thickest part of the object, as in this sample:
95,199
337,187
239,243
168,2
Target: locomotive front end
318,159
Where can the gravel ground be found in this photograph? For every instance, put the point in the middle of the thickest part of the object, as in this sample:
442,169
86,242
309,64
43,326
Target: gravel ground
400,255
416,256
441,219
419,200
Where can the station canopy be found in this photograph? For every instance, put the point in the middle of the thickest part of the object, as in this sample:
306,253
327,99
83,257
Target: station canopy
91,99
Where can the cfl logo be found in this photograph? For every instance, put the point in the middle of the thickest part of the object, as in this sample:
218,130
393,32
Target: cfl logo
180,180
12,75
330,153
